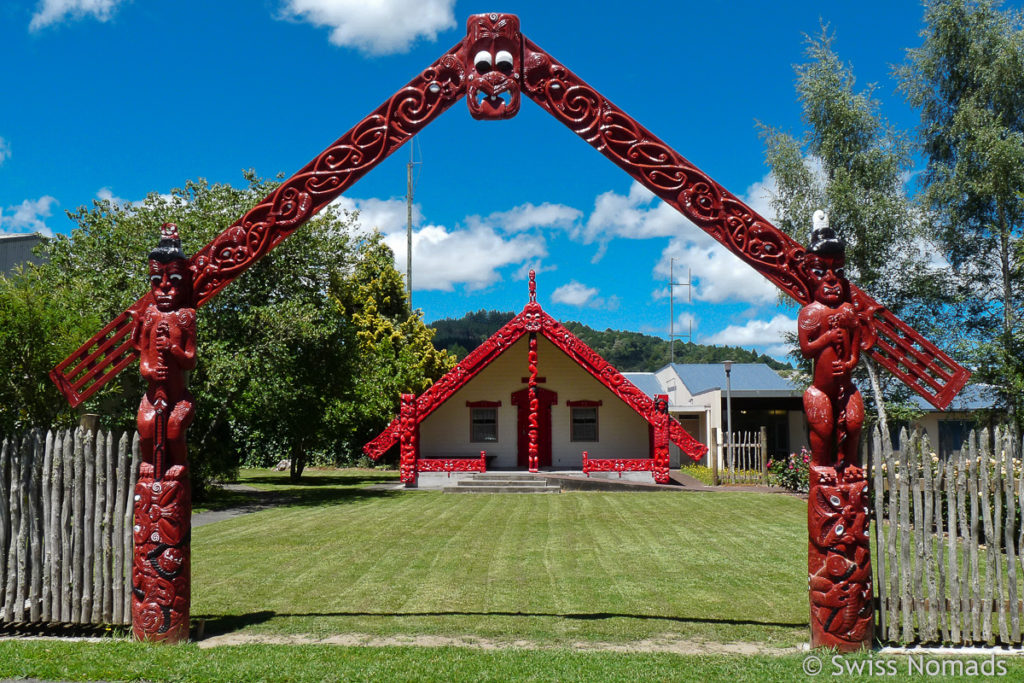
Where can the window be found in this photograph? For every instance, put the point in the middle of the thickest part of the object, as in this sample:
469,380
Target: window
952,434
483,424
584,423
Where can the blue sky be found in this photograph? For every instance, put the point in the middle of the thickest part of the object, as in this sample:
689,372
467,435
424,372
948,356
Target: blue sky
115,98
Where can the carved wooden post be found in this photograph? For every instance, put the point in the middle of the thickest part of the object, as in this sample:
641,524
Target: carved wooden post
534,404
165,336
410,444
832,331
661,426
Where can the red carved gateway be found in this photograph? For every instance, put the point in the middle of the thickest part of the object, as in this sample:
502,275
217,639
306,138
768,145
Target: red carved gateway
494,64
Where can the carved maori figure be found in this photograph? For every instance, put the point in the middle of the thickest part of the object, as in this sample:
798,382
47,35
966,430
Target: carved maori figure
495,48
833,332
165,336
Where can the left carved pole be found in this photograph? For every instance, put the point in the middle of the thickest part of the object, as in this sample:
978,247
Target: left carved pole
165,337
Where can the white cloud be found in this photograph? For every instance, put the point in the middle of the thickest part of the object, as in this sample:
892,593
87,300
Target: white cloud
766,335
577,294
375,26
574,294
105,194
50,12
528,216
5,151
29,216
443,257
759,196
633,217
717,274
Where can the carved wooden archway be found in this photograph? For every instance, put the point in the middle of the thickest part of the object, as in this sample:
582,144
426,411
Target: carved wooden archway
492,66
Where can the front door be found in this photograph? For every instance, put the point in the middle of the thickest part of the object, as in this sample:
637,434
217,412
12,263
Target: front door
545,399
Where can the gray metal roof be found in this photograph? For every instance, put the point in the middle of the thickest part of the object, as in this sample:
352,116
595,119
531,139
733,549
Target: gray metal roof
646,382
971,397
751,379
17,249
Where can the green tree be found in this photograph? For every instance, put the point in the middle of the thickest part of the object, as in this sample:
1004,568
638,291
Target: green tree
851,163
389,341
967,80
279,360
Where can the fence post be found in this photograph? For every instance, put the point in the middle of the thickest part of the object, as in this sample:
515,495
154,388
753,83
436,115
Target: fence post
764,455
713,455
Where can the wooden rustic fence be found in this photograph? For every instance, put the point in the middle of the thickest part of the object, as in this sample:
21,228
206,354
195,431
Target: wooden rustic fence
948,540
66,527
745,462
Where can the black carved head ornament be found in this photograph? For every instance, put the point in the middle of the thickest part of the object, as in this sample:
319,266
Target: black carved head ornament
824,240
169,248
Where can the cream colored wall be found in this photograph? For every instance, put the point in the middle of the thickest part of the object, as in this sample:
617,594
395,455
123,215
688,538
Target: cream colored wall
621,432
445,432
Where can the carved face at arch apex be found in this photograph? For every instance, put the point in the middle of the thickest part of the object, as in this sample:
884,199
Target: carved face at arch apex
494,58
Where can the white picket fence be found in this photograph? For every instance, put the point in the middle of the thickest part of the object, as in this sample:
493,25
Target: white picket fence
66,527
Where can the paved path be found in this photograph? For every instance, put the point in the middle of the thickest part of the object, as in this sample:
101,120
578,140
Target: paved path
211,516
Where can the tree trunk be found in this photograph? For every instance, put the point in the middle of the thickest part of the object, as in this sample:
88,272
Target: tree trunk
298,462
876,390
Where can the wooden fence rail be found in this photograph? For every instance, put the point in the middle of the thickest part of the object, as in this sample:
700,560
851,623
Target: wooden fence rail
746,461
66,527
948,537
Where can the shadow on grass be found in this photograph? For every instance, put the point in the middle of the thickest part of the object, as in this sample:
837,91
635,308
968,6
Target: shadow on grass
227,623
253,500
313,480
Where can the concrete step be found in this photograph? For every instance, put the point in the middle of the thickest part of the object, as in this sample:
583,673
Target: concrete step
470,488
472,481
505,476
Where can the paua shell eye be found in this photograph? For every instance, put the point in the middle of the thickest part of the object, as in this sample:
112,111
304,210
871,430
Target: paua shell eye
503,61
483,61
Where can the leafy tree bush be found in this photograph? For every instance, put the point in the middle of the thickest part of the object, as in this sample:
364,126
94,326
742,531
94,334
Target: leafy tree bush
300,357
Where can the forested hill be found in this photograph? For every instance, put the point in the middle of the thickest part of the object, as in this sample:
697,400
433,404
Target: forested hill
627,351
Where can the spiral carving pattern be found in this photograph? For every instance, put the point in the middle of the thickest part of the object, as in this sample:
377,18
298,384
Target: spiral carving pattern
778,257
328,175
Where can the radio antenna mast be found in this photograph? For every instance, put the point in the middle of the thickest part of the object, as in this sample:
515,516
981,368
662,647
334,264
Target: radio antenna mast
672,284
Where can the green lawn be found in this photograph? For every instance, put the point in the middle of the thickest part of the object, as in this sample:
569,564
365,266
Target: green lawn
556,569
133,661
555,583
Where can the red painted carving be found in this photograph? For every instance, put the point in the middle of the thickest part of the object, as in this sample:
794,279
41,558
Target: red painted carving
839,559
410,442
278,215
833,332
660,429
619,465
534,319
494,52
165,336
534,403
563,94
450,465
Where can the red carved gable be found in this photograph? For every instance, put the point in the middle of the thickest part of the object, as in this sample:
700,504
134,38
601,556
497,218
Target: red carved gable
534,319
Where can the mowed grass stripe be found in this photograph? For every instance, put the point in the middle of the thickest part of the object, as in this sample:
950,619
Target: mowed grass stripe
559,568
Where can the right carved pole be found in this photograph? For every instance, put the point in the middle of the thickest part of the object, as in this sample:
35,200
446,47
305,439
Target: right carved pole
832,333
